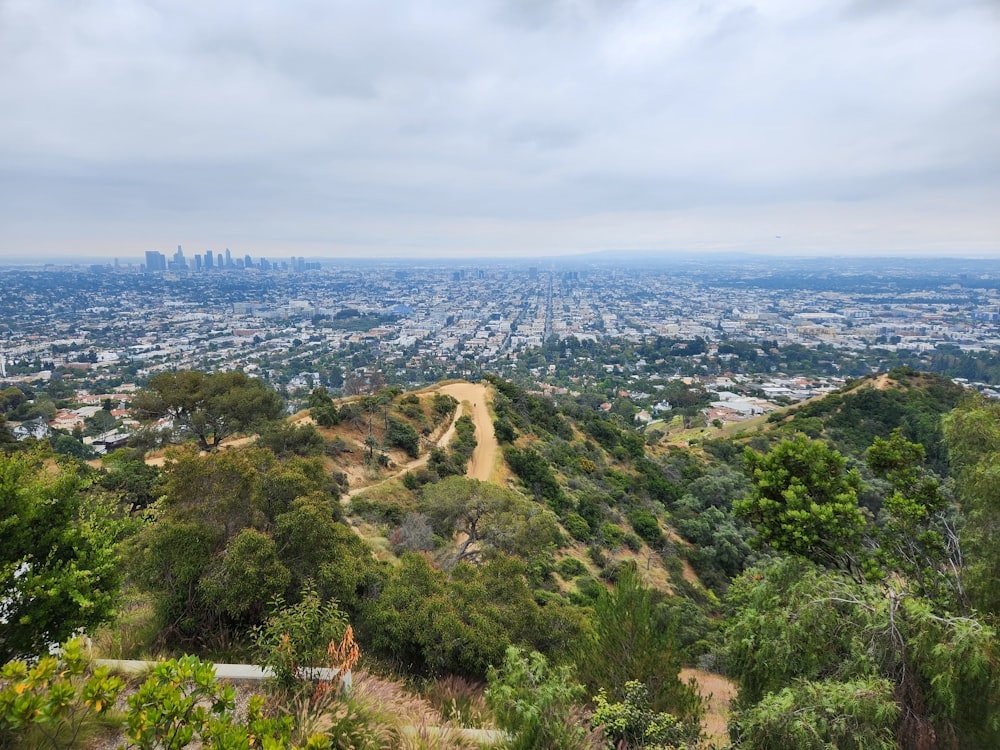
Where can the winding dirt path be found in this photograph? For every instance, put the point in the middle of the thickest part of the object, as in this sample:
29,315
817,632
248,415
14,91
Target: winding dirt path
473,396
472,399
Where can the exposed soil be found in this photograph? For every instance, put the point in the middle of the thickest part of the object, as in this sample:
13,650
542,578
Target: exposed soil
719,692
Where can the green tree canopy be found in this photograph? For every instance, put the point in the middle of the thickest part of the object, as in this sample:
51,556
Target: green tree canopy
804,501
210,406
58,571
632,639
915,534
817,654
238,529
491,518
972,433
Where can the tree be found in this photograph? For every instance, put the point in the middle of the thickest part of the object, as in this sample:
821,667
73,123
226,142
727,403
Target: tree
491,518
972,434
804,501
67,445
322,409
101,422
58,571
915,537
137,483
7,439
851,664
246,577
630,640
209,406
237,528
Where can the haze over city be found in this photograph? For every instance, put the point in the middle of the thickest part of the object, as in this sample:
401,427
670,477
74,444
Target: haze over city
499,128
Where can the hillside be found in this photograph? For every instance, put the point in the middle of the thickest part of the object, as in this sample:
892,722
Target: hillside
448,524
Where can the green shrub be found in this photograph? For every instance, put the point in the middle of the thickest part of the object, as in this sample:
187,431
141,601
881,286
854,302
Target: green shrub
647,527
632,542
55,701
537,705
577,527
597,556
588,588
570,567
634,724
402,435
295,639
611,535
378,511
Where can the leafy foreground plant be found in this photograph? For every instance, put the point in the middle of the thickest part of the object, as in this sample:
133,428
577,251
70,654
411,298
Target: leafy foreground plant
181,702
539,706
58,703
297,640
55,703
633,724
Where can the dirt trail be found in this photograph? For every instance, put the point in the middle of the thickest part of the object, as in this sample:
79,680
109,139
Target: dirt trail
719,691
473,396
472,399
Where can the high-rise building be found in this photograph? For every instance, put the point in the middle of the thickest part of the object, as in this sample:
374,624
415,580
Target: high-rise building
229,259
209,259
178,263
155,261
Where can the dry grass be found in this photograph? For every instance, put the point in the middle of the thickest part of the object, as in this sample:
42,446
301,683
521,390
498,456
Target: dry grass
718,693
459,700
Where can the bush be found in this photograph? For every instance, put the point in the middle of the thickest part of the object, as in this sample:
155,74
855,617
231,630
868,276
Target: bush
647,527
632,723
577,527
443,406
414,480
402,435
587,589
414,535
378,511
56,698
597,556
632,542
504,431
296,639
538,705
611,535
570,567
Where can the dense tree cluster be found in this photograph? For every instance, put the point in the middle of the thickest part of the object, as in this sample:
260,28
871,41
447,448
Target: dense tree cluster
208,406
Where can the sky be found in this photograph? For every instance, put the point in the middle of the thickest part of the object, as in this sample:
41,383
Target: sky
414,128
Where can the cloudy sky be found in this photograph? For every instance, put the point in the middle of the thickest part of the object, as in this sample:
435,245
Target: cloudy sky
434,128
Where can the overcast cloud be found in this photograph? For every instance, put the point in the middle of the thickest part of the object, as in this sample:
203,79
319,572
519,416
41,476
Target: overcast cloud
508,127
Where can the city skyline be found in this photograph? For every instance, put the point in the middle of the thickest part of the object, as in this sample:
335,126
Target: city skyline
500,129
